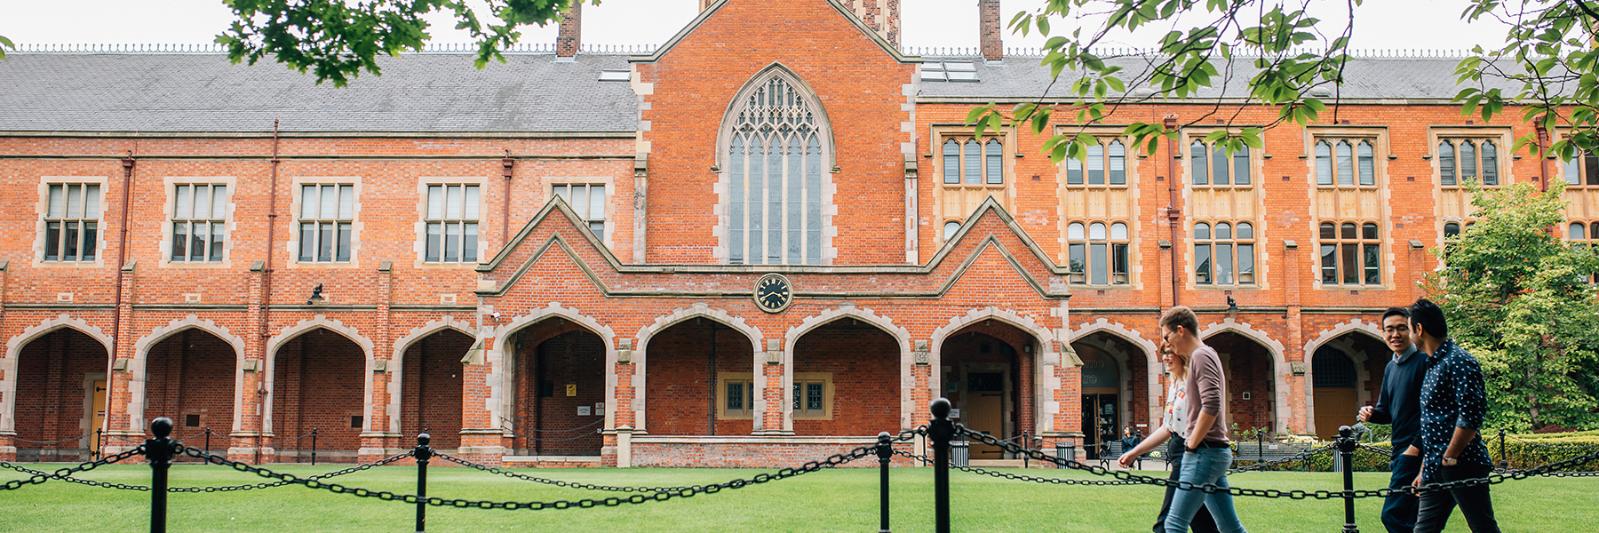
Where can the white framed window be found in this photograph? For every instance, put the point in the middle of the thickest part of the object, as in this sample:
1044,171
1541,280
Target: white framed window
1224,253
776,174
1462,160
1209,165
198,231
70,228
1097,253
326,223
1582,170
1351,253
451,222
951,227
813,396
970,161
588,200
1350,162
735,395
1102,163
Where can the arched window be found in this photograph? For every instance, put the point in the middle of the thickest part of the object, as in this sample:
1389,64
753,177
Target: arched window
952,162
1211,165
1351,254
1446,164
1346,162
1324,170
1099,255
992,151
1103,162
776,169
1224,254
1461,160
950,228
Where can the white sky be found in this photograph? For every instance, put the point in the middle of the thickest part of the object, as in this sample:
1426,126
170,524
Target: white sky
1380,24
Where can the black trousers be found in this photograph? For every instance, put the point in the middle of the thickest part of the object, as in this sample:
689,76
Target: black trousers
1202,522
1474,502
1399,510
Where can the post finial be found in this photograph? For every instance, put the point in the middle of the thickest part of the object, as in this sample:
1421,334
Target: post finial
422,439
941,408
162,427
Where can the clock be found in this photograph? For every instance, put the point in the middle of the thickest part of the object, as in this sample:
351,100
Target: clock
773,293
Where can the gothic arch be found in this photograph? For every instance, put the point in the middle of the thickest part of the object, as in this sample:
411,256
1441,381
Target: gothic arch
1153,367
397,358
828,316
139,370
306,326
1044,360
1337,331
1279,365
800,118
8,366
698,310
502,385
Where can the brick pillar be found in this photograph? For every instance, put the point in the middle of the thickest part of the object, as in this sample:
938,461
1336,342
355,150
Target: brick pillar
775,419
379,438
482,440
121,431
8,435
1296,420
245,442
569,36
989,30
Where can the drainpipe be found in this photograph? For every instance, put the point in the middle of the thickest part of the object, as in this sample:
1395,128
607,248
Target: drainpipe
1173,215
1543,158
266,291
506,165
116,307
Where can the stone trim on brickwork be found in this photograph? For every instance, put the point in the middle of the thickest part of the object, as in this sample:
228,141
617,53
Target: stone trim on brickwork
502,361
42,207
229,223
1363,376
397,359
1045,359
661,323
138,369
1280,409
907,379
888,47
14,346
305,326
1154,395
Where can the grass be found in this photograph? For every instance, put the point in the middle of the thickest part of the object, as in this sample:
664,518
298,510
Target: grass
836,500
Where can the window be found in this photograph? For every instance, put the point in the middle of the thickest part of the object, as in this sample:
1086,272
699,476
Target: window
1462,160
949,71
775,167
1102,162
199,222
451,223
1582,170
1224,253
970,162
813,396
1451,229
1345,162
588,200
1097,256
950,228
1211,165
735,395
327,215
72,222
1350,254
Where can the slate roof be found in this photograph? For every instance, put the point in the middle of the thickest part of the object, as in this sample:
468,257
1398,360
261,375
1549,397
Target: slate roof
1366,78
415,93
443,92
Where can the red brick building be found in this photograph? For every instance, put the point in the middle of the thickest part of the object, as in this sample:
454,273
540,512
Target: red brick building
777,238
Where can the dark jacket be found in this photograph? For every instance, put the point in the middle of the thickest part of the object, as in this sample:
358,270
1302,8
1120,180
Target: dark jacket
1399,403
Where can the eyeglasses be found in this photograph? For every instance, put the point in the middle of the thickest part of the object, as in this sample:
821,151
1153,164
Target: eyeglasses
1396,329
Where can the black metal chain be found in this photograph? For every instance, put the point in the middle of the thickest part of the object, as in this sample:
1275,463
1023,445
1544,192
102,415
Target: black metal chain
36,477
1210,488
637,498
1268,465
227,488
1019,477
548,481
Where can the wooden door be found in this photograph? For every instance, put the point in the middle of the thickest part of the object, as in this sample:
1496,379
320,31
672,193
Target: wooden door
985,409
97,417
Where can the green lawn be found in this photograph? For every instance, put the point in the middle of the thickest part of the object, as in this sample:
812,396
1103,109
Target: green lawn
837,500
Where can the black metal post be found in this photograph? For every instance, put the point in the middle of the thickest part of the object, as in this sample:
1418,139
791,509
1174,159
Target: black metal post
1503,462
1346,453
941,430
885,450
1260,447
313,446
423,453
99,443
159,452
208,439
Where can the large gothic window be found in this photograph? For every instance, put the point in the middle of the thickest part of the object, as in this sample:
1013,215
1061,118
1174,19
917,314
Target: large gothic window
775,171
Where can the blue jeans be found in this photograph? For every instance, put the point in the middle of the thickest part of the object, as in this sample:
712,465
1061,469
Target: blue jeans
1399,510
1202,466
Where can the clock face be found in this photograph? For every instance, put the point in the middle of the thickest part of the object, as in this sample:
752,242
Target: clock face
773,293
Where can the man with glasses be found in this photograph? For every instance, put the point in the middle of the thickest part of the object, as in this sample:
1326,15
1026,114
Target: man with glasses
1399,404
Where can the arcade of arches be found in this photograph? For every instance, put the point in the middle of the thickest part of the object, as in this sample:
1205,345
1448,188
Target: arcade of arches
986,372
188,376
60,396
1115,390
1346,373
559,376
311,390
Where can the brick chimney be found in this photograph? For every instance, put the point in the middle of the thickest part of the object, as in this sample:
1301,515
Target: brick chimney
569,38
989,30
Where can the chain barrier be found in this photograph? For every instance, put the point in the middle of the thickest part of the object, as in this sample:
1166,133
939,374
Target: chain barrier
547,481
1274,463
1018,477
1551,469
226,488
37,477
52,441
832,461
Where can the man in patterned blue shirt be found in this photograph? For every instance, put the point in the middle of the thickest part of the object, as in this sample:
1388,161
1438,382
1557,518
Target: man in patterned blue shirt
1452,408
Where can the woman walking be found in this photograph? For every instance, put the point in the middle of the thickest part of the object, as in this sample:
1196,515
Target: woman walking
1173,425
1206,452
